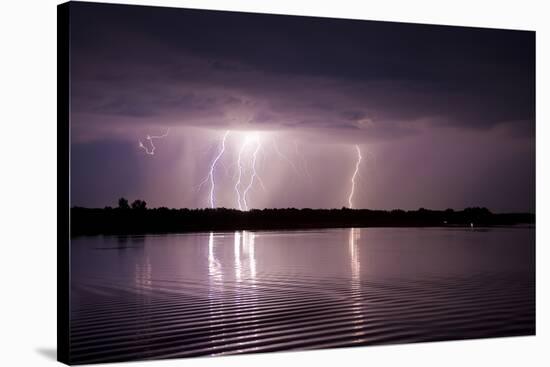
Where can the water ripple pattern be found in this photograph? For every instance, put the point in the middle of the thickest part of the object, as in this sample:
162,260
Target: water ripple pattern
211,294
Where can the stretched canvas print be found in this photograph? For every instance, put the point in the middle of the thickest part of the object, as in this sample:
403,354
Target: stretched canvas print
236,183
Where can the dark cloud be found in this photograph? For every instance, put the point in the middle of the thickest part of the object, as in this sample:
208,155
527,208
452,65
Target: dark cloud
198,67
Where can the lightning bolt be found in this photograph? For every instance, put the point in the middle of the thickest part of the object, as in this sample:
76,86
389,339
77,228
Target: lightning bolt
242,164
254,174
150,139
210,176
359,157
240,171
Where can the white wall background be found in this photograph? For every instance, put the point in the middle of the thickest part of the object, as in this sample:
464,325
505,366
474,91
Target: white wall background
28,182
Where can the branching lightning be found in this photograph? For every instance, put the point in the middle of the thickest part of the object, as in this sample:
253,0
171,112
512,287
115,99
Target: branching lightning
240,172
210,176
359,157
247,162
254,173
251,155
241,195
150,138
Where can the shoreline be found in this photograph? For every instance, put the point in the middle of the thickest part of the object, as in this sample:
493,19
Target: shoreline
301,229
108,221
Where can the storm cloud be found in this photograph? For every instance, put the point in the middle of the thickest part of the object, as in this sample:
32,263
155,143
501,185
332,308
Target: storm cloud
386,86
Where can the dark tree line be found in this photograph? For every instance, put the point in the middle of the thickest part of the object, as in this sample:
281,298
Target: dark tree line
136,218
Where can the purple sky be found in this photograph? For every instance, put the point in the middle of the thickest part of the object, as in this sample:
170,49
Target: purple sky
443,116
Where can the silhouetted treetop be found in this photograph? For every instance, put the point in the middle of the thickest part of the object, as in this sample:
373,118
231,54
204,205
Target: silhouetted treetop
139,205
123,204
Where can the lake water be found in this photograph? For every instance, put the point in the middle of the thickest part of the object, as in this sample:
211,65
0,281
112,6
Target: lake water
180,295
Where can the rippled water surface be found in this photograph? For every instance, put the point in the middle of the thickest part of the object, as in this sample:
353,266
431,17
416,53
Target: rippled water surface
197,294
